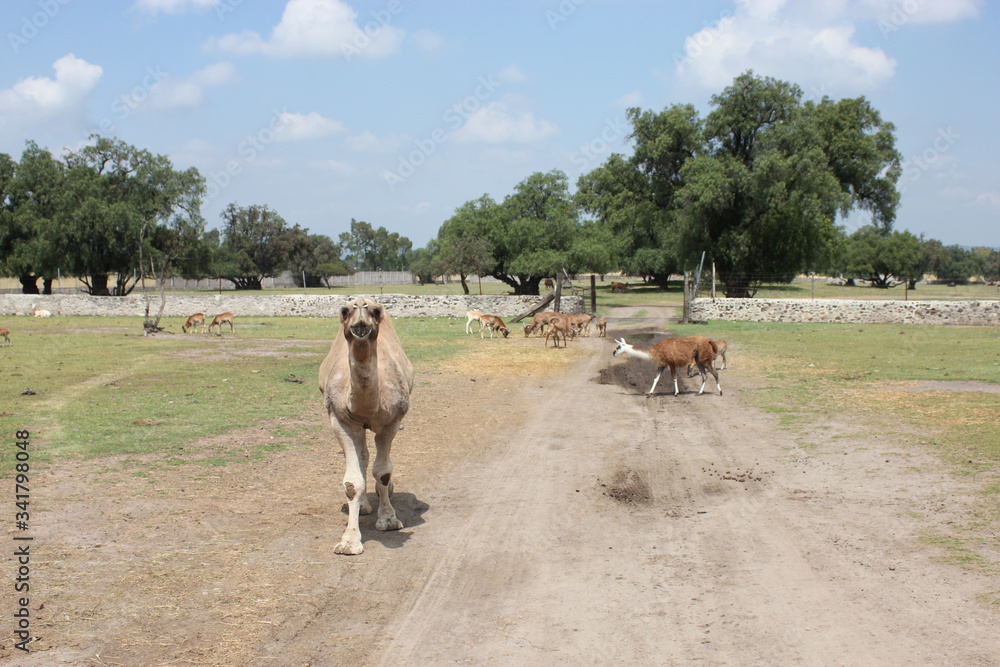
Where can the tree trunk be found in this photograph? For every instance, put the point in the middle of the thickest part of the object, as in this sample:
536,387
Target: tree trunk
47,285
29,283
98,285
465,285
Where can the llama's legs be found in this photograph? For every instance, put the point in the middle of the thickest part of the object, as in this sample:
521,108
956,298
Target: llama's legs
382,471
655,380
708,368
674,374
356,464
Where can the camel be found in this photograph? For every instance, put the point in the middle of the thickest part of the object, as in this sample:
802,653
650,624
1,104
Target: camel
6,337
366,381
674,353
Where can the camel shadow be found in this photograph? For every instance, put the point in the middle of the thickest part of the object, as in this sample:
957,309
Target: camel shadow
409,510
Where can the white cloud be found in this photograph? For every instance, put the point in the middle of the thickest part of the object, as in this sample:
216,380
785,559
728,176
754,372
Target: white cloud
811,43
36,101
297,126
495,123
511,74
172,6
633,99
319,28
366,142
171,93
990,199
430,42
923,11
336,166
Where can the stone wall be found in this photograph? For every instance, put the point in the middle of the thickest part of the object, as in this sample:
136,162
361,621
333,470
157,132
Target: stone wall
266,305
979,313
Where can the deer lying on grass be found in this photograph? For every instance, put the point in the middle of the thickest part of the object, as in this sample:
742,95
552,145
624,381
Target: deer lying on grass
619,287
493,323
219,320
674,353
602,327
473,316
720,347
6,337
40,312
193,322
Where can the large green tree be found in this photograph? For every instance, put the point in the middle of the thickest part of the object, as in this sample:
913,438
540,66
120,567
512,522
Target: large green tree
33,196
463,246
634,198
757,184
882,257
257,243
115,196
531,232
367,248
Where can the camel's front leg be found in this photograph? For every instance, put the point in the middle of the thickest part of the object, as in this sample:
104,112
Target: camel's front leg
356,466
382,471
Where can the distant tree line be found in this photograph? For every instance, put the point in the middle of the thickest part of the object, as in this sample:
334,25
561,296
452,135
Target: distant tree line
111,211
756,185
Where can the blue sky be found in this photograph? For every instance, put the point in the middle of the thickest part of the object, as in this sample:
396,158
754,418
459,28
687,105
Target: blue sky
396,112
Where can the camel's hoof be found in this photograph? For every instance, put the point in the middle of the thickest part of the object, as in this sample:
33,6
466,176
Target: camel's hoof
349,548
388,523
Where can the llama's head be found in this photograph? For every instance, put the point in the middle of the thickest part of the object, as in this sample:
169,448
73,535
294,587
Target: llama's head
622,348
360,319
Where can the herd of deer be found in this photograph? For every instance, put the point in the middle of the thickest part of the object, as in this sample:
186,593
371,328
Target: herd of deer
217,321
691,352
550,325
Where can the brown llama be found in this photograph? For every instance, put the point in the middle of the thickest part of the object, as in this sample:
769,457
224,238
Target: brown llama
674,353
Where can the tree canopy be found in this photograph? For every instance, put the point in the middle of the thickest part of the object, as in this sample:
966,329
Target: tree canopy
757,184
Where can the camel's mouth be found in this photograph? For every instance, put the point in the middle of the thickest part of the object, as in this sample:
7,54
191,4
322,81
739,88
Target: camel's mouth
361,331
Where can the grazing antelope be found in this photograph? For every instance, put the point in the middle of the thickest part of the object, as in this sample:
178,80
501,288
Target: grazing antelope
558,327
619,287
219,320
6,336
193,322
539,322
720,347
602,327
493,323
473,316
674,353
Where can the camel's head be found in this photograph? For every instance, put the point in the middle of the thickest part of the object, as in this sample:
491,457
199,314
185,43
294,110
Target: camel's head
360,318
622,348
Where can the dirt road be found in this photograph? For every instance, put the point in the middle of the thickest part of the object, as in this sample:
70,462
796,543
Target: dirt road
551,518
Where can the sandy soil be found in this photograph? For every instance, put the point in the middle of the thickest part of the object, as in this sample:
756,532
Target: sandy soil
551,518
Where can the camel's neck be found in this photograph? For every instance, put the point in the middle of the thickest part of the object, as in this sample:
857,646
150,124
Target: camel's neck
364,395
